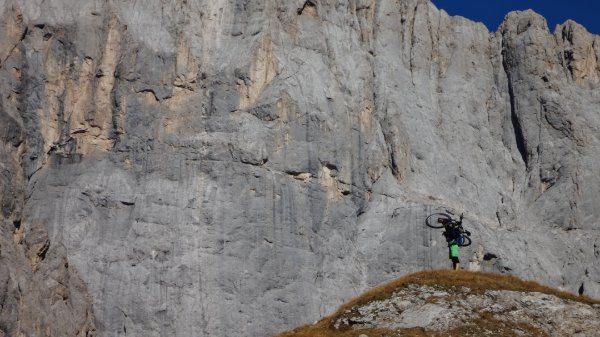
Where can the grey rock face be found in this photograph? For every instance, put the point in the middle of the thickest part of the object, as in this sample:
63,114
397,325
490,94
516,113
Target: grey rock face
238,168
41,294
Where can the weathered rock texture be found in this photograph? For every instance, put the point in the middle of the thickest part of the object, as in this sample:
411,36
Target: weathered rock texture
221,167
460,311
447,303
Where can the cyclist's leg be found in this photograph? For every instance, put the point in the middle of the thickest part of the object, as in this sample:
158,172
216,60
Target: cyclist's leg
455,263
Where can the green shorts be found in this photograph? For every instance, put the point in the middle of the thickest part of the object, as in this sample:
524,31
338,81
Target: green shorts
453,248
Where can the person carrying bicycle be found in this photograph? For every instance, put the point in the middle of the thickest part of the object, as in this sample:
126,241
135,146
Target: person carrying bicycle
453,236
454,233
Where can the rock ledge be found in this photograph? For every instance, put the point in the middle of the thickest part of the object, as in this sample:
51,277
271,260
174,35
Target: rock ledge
447,303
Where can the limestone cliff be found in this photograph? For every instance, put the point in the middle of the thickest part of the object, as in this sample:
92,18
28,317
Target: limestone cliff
236,167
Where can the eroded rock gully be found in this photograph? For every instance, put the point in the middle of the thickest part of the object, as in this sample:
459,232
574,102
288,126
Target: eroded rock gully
240,167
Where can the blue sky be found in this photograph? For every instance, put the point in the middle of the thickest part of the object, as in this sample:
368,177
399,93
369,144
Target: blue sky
492,12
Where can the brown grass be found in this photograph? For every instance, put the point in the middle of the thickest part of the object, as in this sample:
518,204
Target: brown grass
319,330
488,325
478,282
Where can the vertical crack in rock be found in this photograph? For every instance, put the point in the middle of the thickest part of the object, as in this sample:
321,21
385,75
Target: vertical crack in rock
413,41
514,119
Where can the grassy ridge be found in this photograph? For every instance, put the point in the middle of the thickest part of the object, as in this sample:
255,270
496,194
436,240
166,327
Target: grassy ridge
478,282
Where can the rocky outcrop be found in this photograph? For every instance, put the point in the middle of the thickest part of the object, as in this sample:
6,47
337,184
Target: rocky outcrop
461,304
239,167
460,310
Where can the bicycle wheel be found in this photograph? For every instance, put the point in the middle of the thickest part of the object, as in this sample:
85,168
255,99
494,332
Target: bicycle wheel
466,241
433,220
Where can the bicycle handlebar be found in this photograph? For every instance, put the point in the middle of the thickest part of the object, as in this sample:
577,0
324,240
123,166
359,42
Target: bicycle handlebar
449,221
454,223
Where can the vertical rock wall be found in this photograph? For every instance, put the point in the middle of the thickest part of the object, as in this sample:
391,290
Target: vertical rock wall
41,294
238,167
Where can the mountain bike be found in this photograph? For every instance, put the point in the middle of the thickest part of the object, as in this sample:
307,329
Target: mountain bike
444,220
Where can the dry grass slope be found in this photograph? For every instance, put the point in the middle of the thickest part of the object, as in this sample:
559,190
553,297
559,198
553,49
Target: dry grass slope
478,282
